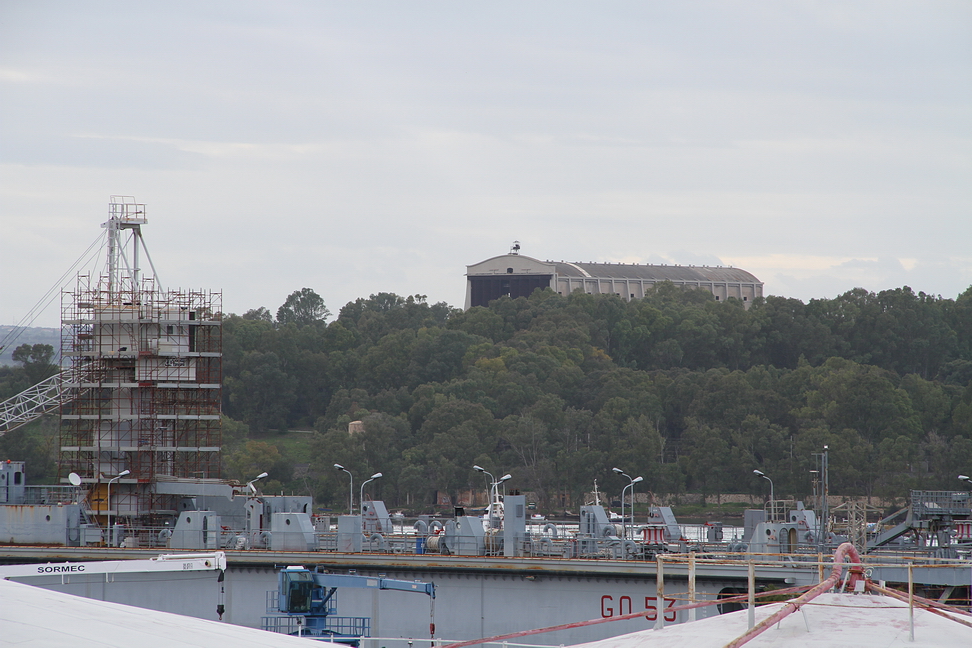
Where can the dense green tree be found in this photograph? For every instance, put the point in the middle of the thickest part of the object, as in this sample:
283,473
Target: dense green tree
36,361
253,458
13,380
260,314
262,393
302,307
37,444
690,393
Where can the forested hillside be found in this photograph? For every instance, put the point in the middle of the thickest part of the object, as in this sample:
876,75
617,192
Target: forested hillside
688,392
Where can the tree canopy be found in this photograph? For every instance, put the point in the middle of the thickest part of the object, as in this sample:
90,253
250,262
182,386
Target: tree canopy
690,393
36,360
302,307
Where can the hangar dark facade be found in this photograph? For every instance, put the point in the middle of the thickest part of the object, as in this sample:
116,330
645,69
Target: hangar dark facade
517,275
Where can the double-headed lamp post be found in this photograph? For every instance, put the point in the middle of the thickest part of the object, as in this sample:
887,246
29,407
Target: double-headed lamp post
772,498
361,495
350,488
493,493
489,491
499,481
249,485
478,468
494,503
111,534
631,483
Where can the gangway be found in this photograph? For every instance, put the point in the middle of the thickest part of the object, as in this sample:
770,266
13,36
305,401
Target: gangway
929,512
890,534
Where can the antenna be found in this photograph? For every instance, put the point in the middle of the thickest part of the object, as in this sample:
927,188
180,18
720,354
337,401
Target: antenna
516,248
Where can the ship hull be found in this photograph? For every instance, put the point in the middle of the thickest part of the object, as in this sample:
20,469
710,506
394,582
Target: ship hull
476,596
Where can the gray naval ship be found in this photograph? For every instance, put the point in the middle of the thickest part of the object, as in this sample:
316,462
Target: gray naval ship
138,397
494,573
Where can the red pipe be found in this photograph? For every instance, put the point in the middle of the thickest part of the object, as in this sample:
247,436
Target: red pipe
926,604
623,617
856,573
926,601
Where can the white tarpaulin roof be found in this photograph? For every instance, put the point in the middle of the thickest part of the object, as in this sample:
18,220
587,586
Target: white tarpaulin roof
38,618
858,620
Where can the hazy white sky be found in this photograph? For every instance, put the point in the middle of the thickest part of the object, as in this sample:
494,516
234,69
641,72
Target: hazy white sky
358,147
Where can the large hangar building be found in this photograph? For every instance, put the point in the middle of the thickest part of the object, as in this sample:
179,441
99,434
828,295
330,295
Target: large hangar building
518,275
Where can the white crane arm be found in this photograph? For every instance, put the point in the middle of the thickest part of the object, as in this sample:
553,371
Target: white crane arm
165,563
40,399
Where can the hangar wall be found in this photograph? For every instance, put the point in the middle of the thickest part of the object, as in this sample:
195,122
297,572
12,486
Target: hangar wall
517,275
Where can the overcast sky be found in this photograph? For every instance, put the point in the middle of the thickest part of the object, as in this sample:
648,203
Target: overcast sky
359,147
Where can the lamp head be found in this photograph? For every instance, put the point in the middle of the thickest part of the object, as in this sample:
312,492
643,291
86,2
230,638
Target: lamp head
124,472
261,476
759,472
637,479
376,475
965,478
618,470
339,466
479,469
504,478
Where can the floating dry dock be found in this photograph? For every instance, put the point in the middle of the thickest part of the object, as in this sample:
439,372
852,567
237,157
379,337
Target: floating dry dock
478,596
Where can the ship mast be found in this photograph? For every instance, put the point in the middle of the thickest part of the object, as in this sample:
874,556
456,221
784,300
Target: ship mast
123,276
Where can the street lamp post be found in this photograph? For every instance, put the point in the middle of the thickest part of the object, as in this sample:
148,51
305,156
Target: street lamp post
772,498
494,496
350,488
249,485
493,493
485,472
361,495
489,492
111,534
497,483
631,483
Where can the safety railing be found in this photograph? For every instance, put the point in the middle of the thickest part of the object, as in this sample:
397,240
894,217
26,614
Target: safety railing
39,495
331,626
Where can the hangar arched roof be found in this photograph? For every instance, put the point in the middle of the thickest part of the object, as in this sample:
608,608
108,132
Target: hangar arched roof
655,272
678,273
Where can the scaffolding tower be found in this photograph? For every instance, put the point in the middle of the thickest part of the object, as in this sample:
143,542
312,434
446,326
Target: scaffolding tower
146,391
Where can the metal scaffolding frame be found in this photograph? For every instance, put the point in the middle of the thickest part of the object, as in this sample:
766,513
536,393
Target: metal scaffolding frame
148,373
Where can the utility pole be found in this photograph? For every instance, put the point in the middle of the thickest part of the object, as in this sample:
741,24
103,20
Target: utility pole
823,464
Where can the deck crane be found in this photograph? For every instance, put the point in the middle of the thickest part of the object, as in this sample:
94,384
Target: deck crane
309,598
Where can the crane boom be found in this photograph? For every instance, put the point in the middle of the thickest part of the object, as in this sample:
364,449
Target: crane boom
44,397
370,582
31,403
164,563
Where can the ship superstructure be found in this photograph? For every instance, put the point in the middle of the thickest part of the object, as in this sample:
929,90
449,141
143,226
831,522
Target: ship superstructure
145,378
